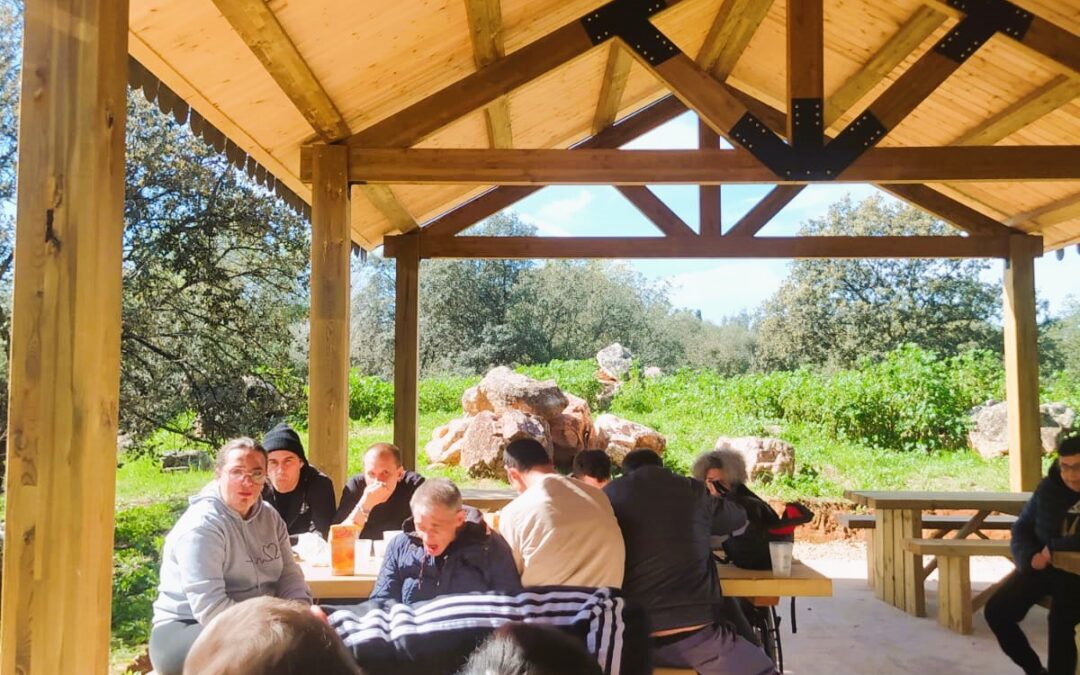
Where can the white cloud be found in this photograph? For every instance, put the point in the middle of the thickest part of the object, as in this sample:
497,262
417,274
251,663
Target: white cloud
543,227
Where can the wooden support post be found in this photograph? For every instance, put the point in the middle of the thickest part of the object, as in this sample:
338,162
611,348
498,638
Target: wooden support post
708,195
65,339
328,353
407,347
954,593
1022,365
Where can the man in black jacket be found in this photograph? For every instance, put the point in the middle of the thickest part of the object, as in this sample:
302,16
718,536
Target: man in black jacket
303,495
666,521
1050,522
378,499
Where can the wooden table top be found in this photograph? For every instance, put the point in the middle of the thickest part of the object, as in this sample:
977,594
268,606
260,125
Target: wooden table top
487,499
1003,502
736,582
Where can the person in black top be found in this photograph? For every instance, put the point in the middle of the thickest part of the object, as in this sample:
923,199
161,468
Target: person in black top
378,499
303,495
666,521
1049,523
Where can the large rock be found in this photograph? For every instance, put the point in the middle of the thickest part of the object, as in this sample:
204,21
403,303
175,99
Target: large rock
482,445
445,444
617,437
615,361
187,459
989,434
570,430
765,457
473,401
502,389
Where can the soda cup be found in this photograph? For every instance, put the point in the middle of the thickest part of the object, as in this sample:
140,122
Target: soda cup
343,549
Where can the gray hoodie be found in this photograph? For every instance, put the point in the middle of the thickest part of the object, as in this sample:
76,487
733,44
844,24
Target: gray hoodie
213,559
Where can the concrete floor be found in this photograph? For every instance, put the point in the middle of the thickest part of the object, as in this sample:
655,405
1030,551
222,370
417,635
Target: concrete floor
854,633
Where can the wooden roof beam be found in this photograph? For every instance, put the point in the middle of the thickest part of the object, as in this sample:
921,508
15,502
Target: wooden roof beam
700,247
1059,91
702,167
709,221
258,27
765,210
383,199
805,73
1053,213
730,34
616,74
653,208
485,29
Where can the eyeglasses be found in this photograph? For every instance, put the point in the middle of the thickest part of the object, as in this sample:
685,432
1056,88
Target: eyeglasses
1069,468
238,476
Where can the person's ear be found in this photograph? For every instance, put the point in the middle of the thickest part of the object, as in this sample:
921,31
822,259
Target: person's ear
459,517
400,472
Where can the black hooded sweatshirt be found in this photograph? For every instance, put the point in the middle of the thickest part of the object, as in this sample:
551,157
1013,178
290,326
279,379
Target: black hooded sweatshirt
308,508
1051,518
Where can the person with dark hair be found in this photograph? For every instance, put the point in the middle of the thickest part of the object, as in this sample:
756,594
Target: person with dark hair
269,636
592,467
377,500
227,547
300,493
528,649
441,551
666,520
1050,522
561,531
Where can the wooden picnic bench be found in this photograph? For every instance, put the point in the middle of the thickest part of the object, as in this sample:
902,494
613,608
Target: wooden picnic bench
956,606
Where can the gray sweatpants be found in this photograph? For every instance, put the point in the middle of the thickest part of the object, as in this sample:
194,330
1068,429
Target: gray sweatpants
169,645
711,651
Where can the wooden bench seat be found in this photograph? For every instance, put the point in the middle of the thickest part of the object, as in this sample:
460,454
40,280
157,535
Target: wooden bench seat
956,606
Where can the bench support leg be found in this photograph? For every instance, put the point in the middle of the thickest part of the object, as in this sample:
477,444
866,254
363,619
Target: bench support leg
954,593
868,537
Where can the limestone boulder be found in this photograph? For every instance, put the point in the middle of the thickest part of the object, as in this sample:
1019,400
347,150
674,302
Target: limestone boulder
652,373
766,458
989,434
502,389
445,444
570,430
487,435
617,437
615,361
473,401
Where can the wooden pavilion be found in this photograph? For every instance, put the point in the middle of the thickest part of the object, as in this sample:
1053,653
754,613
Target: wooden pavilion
403,124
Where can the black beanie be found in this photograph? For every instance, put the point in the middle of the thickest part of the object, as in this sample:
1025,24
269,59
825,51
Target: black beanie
283,437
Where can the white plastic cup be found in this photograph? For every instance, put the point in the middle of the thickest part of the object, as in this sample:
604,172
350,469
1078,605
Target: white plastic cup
363,549
390,534
380,548
780,555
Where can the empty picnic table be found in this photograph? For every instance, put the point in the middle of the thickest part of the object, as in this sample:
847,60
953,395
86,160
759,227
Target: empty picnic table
899,574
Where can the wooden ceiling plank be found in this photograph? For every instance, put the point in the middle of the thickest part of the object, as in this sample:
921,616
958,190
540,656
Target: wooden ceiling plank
730,34
1050,214
383,199
486,32
907,39
709,220
765,210
499,198
722,247
708,167
1053,42
1059,91
653,208
805,73
616,75
258,27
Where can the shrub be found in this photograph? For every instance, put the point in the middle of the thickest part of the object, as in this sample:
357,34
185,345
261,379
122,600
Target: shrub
370,397
443,394
140,535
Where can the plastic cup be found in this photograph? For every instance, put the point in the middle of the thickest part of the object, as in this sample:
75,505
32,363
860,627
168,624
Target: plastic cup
390,534
780,555
363,549
380,548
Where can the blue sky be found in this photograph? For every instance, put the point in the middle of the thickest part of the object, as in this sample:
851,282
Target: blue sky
720,288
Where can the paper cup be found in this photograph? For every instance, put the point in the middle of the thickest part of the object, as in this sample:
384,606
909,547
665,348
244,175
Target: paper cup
390,534
780,554
363,549
380,547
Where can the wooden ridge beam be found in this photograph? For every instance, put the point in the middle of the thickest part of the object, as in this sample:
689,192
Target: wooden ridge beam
616,75
1059,91
730,34
499,198
709,220
701,247
486,32
907,39
419,120
702,167
653,208
258,27
765,210
805,73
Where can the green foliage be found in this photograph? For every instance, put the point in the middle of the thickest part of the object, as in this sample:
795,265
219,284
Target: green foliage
370,397
443,394
574,377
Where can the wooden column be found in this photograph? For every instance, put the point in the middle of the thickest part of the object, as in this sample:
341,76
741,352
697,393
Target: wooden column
1022,364
407,347
65,339
328,355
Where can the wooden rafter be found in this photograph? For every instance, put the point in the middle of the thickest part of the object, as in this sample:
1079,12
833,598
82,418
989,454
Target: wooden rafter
912,33
1044,100
383,199
948,209
485,29
616,75
765,210
701,247
497,199
258,27
805,73
646,201
730,34
709,222
708,167
1049,214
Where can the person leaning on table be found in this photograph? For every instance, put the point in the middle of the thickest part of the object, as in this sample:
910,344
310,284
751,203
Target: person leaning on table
1050,522
227,547
377,500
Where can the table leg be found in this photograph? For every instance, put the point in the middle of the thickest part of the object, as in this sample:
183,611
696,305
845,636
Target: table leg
901,571
913,583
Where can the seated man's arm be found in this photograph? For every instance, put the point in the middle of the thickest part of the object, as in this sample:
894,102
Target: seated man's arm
1025,543
350,495
389,583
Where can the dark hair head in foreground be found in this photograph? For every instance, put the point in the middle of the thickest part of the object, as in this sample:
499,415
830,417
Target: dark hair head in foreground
1069,446
269,636
636,459
528,649
525,454
592,463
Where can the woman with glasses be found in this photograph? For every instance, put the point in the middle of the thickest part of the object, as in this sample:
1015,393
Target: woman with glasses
227,547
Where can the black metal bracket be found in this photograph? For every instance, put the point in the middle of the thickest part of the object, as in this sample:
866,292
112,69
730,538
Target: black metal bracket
764,144
629,20
984,18
856,138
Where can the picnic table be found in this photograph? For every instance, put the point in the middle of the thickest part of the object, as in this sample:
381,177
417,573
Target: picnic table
898,572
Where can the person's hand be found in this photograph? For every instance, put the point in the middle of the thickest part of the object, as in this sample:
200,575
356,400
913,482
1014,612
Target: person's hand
1041,560
375,493
712,488
319,613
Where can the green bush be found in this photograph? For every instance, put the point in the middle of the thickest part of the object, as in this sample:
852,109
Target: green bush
443,394
370,397
140,534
